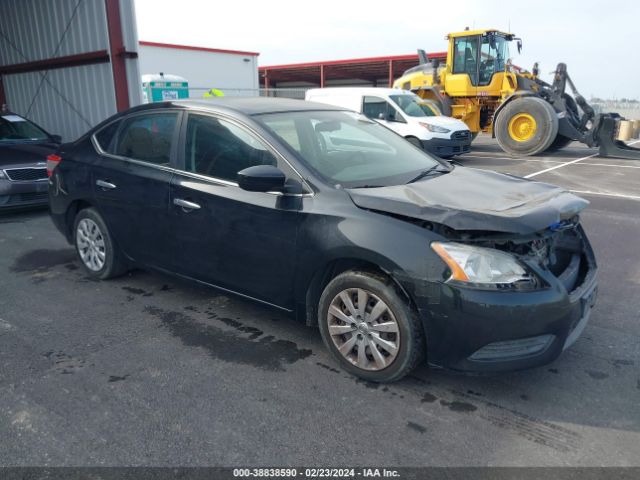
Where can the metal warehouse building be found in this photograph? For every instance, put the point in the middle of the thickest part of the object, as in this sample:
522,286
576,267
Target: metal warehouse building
69,64
369,72
233,72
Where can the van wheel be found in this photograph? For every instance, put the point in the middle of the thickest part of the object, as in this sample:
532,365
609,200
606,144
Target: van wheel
370,327
96,250
415,142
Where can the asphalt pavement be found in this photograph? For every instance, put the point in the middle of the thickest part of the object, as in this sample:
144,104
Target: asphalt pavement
149,370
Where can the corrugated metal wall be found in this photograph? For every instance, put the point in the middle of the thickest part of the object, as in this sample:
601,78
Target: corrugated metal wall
66,101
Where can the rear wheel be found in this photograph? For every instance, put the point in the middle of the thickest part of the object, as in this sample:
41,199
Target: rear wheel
526,126
370,327
98,254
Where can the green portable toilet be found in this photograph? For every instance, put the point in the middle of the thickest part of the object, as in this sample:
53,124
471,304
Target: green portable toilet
159,87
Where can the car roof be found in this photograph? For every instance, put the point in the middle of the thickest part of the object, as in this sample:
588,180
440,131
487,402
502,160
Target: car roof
253,105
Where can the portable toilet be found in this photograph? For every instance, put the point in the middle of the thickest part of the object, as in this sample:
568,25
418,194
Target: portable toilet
158,87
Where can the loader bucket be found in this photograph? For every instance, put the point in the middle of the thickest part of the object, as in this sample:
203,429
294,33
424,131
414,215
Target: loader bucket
609,146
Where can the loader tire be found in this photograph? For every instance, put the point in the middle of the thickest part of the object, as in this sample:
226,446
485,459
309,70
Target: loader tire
526,126
559,143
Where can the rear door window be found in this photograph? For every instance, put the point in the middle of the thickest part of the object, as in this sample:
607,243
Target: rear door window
106,136
146,137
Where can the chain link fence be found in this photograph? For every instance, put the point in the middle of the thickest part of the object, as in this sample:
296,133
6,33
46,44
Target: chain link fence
628,109
297,93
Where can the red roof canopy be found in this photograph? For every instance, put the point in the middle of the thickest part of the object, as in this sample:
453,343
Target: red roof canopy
368,69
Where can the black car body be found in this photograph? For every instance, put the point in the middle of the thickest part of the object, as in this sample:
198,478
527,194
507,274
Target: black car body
24,148
286,247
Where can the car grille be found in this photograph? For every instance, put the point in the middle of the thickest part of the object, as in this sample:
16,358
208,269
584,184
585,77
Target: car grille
461,135
26,174
32,196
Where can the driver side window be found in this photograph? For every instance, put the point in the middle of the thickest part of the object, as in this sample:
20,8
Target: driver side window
465,57
378,108
220,149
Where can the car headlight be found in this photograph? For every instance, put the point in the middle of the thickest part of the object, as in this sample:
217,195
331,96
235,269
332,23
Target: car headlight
435,128
2,174
485,267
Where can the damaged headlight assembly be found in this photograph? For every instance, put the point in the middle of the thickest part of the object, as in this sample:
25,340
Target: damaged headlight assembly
484,267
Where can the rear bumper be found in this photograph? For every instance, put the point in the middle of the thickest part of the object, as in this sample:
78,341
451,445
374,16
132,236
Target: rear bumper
447,147
23,194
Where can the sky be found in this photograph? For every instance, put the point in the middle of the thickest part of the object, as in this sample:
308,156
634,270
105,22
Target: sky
598,40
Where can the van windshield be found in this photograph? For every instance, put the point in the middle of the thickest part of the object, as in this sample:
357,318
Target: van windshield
347,149
414,106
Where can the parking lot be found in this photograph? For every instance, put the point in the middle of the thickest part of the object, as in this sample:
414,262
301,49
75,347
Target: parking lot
146,370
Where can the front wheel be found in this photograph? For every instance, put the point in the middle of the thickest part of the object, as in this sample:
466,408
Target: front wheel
526,126
95,247
369,327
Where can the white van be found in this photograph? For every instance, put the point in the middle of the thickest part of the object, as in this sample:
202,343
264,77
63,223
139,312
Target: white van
418,120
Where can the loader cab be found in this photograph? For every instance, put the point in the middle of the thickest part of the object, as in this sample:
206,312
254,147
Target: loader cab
476,60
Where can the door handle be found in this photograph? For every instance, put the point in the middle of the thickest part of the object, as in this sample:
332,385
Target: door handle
186,204
105,185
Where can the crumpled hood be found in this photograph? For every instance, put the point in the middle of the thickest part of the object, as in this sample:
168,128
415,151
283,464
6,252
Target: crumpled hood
471,199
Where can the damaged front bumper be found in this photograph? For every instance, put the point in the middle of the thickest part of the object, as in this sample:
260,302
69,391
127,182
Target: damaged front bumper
474,330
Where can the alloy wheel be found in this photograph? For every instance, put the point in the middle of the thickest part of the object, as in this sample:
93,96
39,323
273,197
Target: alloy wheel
364,329
91,245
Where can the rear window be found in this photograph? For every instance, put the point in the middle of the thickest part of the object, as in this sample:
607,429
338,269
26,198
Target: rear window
16,128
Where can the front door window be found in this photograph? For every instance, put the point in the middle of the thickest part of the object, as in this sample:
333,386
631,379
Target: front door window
465,57
220,149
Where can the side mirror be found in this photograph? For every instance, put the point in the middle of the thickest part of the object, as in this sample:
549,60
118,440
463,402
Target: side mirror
56,138
261,178
381,116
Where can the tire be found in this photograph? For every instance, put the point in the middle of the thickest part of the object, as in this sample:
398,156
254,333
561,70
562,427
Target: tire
559,143
532,140
95,247
415,142
395,333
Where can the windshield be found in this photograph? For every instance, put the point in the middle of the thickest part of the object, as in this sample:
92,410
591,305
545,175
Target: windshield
413,105
347,149
494,54
15,128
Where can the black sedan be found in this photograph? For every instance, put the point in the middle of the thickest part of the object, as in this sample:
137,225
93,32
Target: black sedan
398,257
24,148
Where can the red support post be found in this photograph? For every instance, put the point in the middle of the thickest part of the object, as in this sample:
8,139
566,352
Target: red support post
116,47
321,75
390,73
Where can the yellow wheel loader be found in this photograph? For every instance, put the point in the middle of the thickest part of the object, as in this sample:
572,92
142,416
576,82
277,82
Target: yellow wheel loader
479,85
